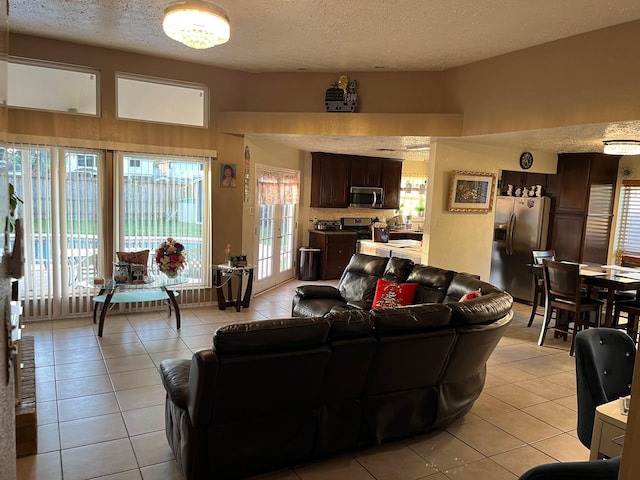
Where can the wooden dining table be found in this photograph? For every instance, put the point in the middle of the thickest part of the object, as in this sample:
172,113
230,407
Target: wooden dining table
612,280
607,277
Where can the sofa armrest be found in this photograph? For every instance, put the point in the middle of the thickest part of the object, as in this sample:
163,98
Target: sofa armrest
175,378
317,291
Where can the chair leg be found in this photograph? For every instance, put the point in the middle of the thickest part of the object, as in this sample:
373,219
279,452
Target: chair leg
534,309
548,312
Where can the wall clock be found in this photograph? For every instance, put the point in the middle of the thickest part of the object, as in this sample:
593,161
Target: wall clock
526,160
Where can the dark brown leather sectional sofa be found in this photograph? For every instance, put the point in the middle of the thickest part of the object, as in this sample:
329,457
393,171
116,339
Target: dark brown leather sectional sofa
280,392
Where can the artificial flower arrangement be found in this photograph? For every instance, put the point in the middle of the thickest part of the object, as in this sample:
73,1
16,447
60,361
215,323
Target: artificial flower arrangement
170,257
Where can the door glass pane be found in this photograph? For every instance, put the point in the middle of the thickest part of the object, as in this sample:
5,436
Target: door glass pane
266,239
286,241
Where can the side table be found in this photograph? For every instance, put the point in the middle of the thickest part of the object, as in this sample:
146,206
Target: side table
609,424
224,276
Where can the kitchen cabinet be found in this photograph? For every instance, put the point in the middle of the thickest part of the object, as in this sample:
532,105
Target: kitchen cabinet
522,179
333,174
584,189
391,179
336,249
366,171
330,180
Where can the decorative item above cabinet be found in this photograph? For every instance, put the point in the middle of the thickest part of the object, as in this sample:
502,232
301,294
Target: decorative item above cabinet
333,174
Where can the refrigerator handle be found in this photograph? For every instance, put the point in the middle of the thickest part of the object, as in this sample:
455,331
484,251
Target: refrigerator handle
510,227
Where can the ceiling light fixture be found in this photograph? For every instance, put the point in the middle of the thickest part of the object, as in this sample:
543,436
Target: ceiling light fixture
622,147
197,24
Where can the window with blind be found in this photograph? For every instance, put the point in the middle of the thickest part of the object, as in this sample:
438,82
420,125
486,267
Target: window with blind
157,197
628,226
160,197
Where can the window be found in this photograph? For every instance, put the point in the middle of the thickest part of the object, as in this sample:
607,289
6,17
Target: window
62,213
161,100
162,196
50,86
628,227
61,224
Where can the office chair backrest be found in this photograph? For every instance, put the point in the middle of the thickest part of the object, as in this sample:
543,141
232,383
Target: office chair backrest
604,370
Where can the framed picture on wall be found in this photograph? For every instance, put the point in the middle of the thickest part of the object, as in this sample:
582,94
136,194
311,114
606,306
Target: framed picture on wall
471,191
228,175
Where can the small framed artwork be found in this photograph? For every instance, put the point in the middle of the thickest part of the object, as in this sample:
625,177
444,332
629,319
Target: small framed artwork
471,191
228,175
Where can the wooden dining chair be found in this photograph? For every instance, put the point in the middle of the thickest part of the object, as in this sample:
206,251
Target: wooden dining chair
538,293
564,294
627,302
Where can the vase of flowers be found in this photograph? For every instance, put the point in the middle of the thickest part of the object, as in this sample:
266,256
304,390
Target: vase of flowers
170,257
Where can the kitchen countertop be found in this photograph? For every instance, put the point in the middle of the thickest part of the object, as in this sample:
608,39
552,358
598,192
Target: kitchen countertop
332,232
405,246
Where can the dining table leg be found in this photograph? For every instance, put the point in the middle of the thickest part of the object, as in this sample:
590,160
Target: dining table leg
608,315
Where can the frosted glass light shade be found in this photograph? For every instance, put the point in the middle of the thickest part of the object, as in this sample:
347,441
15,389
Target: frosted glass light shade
622,147
196,24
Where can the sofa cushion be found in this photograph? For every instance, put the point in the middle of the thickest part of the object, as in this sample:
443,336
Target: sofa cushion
318,291
412,318
270,335
433,283
398,269
390,294
481,310
358,282
463,283
349,323
175,378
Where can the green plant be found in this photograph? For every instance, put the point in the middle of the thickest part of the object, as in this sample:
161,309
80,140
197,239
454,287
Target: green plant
14,199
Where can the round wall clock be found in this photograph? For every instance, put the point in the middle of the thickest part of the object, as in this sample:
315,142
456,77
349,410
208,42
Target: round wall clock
526,160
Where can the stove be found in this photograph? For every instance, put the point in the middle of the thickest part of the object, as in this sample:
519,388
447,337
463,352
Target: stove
360,225
329,225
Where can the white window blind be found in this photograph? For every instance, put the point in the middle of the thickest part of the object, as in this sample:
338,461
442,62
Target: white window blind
159,197
628,228
60,213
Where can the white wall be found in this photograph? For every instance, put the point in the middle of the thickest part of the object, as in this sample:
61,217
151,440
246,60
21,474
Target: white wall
463,241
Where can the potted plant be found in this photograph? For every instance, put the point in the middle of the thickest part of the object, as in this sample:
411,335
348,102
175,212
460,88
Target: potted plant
420,210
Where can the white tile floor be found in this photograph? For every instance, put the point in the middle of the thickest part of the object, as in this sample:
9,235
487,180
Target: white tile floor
101,404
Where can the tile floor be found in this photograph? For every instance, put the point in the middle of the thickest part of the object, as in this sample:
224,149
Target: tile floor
101,404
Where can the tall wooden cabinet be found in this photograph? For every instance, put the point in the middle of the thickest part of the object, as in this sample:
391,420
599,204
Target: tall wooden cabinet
584,189
332,175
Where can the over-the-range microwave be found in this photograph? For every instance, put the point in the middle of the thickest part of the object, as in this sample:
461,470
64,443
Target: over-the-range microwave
366,197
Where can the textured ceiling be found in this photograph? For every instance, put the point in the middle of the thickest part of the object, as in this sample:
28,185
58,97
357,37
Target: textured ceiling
351,36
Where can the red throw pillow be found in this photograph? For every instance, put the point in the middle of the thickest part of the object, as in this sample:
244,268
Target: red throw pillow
389,294
469,295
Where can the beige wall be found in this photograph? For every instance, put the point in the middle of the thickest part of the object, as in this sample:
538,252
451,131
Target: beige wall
270,154
463,241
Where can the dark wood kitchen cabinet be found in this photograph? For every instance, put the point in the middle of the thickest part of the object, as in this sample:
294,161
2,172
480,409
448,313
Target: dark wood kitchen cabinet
584,189
391,180
336,249
332,175
365,171
330,180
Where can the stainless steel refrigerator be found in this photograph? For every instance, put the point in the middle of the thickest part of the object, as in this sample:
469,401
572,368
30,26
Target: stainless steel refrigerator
521,225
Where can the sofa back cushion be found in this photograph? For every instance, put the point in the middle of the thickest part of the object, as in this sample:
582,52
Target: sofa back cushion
410,319
433,283
271,335
271,367
398,269
491,306
358,281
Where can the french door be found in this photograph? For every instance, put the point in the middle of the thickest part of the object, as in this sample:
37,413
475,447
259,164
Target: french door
277,219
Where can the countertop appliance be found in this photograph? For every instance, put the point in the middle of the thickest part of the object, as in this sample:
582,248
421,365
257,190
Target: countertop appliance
520,225
366,197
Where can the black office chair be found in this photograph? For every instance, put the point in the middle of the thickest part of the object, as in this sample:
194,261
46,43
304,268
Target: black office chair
538,293
564,293
604,371
597,470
